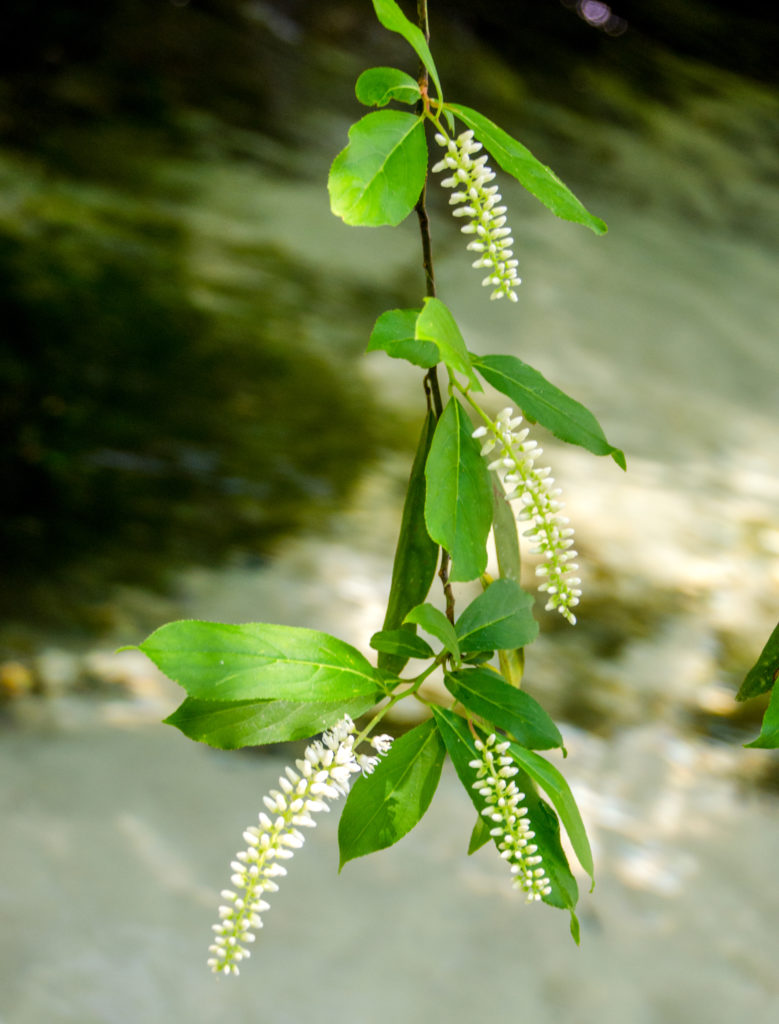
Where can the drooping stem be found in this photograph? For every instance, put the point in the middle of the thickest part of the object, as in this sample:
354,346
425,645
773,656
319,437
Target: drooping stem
427,245
422,19
432,389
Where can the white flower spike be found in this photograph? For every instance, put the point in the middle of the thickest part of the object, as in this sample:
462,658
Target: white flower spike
480,203
323,773
541,508
511,826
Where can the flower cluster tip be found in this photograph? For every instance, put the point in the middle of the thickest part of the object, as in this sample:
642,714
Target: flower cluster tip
511,827
541,508
323,773
480,203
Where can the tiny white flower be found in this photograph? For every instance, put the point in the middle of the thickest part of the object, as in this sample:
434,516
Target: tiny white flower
485,217
541,509
511,829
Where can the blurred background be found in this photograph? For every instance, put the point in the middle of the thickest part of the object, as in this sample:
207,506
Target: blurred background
186,431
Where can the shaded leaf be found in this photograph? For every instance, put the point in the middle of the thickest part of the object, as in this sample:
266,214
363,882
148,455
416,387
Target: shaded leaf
504,529
479,657
517,160
250,723
500,618
416,554
384,806
763,674
377,86
486,694
458,501
219,662
393,333
436,624
480,835
512,665
401,642
379,176
543,402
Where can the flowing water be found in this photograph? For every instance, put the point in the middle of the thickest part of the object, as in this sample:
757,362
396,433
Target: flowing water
117,832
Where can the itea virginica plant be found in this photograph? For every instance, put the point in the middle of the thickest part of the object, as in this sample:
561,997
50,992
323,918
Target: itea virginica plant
474,474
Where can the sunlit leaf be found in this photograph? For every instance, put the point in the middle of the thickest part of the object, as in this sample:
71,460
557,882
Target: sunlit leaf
552,408
377,86
458,502
379,176
436,324
384,806
219,662
393,18
517,160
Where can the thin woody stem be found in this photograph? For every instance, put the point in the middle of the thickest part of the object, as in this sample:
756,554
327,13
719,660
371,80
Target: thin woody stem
432,389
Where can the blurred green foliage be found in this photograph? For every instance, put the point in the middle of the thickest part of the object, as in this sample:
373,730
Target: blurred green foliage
150,415
144,423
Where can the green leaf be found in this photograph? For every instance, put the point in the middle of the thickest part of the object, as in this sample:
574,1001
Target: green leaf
416,555
393,18
378,177
512,665
769,732
484,693
501,618
401,642
250,723
541,401
480,835
458,501
763,674
384,806
435,323
219,662
504,529
565,891
377,86
436,624
393,333
558,791
479,658
460,746
537,178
